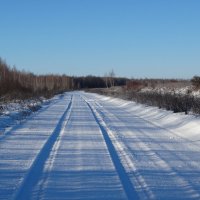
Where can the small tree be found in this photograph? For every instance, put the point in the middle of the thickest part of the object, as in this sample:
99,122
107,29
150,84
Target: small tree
196,81
111,78
106,79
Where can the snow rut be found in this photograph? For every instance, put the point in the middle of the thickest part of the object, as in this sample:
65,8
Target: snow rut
124,178
156,158
47,152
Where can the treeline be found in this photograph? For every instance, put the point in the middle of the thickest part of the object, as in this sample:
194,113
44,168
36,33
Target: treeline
97,82
24,84
21,84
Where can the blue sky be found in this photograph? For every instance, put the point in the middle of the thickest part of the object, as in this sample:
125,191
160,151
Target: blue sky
143,38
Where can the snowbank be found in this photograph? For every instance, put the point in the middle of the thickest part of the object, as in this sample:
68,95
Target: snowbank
187,126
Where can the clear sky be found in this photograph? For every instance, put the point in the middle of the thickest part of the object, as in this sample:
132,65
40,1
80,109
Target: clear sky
137,38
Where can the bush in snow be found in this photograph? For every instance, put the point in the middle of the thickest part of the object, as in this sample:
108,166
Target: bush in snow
196,81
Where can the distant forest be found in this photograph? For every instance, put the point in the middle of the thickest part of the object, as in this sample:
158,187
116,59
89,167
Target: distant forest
22,84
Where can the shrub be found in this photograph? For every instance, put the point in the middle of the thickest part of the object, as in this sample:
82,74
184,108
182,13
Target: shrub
196,81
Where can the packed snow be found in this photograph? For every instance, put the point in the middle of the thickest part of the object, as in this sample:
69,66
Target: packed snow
88,146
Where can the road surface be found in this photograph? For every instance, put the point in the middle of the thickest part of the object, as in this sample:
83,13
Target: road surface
82,146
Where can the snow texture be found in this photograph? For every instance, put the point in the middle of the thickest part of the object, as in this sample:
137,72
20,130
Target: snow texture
88,146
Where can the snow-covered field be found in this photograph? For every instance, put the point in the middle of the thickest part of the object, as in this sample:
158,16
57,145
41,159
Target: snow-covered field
187,90
88,146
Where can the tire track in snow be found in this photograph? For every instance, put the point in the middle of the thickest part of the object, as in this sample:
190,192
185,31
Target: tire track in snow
124,178
37,168
50,160
156,157
128,157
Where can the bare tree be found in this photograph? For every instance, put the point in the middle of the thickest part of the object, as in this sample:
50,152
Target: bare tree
106,79
111,78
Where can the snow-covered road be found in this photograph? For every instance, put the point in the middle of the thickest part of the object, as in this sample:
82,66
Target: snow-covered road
86,146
